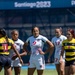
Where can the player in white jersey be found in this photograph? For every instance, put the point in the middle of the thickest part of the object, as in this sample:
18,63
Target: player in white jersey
57,41
36,42
19,46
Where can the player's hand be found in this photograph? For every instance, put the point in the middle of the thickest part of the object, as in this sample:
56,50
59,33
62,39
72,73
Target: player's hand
29,53
14,57
48,60
21,61
40,51
61,60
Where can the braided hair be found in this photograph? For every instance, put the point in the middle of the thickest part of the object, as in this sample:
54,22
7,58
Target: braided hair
3,33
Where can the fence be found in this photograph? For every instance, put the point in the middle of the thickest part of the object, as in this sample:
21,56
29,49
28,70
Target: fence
47,19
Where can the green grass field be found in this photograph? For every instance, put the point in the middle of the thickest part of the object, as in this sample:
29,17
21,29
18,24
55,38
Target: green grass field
24,72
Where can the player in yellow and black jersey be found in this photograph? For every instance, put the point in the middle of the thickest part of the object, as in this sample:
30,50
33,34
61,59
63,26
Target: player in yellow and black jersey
6,45
69,47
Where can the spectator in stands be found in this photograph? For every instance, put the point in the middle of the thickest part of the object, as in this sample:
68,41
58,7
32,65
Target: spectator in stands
36,42
68,46
57,41
5,46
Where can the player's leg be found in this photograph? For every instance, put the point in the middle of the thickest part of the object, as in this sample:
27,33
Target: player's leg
58,68
40,72
62,68
31,71
31,67
17,70
0,68
67,70
40,66
72,70
16,66
8,70
7,66
67,67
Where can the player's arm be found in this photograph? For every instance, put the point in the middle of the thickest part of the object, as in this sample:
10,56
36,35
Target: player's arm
62,52
13,47
61,55
24,52
50,47
25,48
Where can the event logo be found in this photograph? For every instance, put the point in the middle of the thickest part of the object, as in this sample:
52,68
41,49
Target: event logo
73,2
42,4
38,4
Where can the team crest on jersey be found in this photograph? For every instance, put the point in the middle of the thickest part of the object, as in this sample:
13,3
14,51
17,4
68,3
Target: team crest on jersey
34,42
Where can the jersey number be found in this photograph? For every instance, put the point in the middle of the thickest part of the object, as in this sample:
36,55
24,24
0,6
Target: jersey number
57,43
56,59
5,47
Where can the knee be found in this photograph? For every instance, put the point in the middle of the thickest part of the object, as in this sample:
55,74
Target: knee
62,72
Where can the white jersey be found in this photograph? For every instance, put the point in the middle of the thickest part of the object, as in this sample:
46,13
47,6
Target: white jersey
36,60
19,45
36,43
57,41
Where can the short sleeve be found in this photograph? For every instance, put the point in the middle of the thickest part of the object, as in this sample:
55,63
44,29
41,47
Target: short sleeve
44,39
22,43
11,41
52,40
65,37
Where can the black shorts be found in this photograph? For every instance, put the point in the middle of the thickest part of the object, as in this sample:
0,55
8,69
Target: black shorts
5,60
68,63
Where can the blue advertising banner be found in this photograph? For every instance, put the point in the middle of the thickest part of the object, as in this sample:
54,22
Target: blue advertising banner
23,4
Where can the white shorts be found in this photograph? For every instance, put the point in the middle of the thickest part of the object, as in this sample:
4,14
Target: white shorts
57,58
37,62
16,63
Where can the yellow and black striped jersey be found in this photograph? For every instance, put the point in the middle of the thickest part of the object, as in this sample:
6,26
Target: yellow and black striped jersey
69,47
4,46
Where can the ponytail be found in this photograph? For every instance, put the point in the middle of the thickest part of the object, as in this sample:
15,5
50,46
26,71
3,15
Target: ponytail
3,33
6,37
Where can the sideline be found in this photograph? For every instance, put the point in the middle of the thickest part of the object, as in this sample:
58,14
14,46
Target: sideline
48,66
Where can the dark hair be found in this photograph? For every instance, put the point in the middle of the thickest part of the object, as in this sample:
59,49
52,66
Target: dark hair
33,29
3,33
72,32
60,29
12,32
